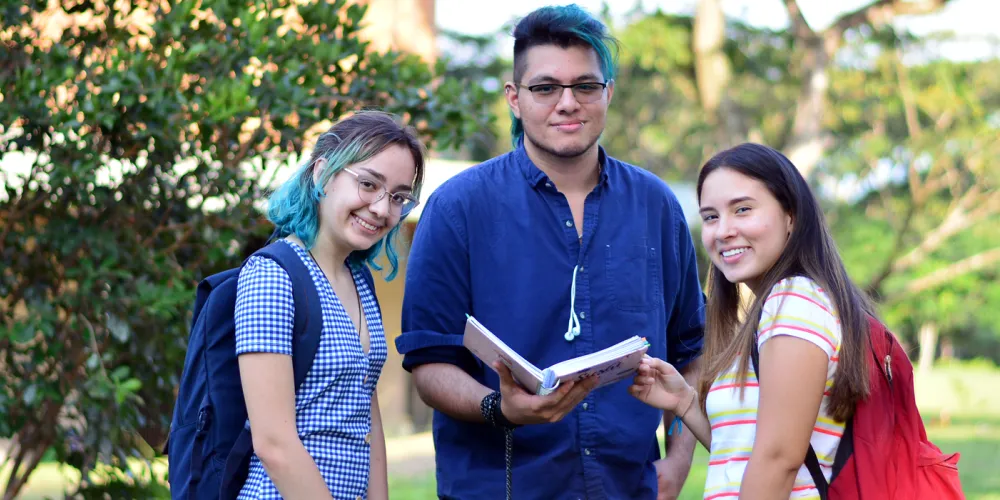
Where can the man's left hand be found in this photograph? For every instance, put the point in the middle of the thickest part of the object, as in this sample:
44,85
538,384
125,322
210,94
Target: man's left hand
671,473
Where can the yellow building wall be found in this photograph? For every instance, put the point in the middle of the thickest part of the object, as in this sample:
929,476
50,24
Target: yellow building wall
402,411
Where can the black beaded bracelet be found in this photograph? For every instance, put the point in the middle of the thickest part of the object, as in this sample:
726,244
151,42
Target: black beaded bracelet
490,409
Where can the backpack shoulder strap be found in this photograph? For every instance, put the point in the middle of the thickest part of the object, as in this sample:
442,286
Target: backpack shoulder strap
307,330
308,312
812,461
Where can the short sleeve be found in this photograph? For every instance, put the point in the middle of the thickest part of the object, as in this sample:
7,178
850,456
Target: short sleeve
798,307
265,308
437,293
686,329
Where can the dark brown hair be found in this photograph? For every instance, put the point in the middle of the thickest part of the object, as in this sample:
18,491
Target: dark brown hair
809,252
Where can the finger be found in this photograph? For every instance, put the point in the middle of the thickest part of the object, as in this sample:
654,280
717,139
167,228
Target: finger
589,383
640,393
503,372
563,401
508,386
660,365
575,396
566,387
558,394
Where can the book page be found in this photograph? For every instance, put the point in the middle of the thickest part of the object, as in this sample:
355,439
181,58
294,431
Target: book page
612,364
489,348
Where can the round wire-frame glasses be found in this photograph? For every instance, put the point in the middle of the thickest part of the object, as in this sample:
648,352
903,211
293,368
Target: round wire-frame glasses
372,190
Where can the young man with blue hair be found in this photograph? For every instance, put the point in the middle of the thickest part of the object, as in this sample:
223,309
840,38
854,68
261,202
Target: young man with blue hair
555,232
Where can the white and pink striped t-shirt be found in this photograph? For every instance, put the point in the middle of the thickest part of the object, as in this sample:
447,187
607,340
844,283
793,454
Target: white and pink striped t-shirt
800,308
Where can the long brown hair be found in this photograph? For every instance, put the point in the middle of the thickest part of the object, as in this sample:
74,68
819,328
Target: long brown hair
810,252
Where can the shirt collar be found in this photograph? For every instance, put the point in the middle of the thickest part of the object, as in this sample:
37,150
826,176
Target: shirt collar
536,177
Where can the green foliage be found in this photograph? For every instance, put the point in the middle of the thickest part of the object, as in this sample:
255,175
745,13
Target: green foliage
475,60
918,198
656,119
135,137
128,483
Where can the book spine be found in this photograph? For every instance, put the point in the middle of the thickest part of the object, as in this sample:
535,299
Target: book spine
549,383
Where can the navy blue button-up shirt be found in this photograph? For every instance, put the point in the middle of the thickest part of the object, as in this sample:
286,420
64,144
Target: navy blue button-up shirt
498,241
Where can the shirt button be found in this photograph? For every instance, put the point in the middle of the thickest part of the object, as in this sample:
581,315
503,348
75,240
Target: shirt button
569,223
586,451
586,405
583,315
548,184
366,379
368,438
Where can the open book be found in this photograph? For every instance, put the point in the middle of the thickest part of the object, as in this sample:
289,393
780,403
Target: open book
611,365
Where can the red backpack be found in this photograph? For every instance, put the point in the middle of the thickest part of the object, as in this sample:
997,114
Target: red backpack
884,453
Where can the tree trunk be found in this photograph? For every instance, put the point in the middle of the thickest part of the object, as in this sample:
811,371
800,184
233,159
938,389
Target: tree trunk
24,460
947,349
713,73
928,346
808,142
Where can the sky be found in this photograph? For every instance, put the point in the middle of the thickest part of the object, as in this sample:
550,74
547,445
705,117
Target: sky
971,17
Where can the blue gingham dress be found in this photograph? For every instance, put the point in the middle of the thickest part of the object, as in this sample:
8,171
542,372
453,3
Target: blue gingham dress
333,405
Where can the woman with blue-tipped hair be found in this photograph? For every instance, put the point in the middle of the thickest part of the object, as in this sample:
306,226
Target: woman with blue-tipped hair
339,212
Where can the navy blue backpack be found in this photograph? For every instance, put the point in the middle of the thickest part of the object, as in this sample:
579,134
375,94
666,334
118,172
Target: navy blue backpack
209,445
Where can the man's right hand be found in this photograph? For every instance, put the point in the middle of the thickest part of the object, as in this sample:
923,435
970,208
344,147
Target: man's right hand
521,407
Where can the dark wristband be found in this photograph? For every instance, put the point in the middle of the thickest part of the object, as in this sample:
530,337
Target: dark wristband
490,408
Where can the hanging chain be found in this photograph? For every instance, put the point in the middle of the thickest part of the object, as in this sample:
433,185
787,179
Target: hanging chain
490,407
508,457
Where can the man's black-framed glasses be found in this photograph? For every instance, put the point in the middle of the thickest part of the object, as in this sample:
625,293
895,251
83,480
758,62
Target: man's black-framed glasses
550,93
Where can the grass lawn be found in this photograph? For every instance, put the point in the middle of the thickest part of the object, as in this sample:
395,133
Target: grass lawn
977,439
958,404
962,394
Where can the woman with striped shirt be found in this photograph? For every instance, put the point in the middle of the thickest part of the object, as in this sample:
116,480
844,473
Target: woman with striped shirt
763,228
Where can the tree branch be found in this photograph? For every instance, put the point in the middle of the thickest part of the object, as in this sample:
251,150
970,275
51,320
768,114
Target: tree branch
943,275
881,12
897,246
906,92
958,219
800,27
990,207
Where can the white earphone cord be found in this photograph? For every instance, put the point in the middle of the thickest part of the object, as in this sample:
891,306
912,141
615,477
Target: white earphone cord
573,329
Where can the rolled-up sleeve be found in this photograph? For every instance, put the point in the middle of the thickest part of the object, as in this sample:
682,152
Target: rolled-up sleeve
686,328
437,297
